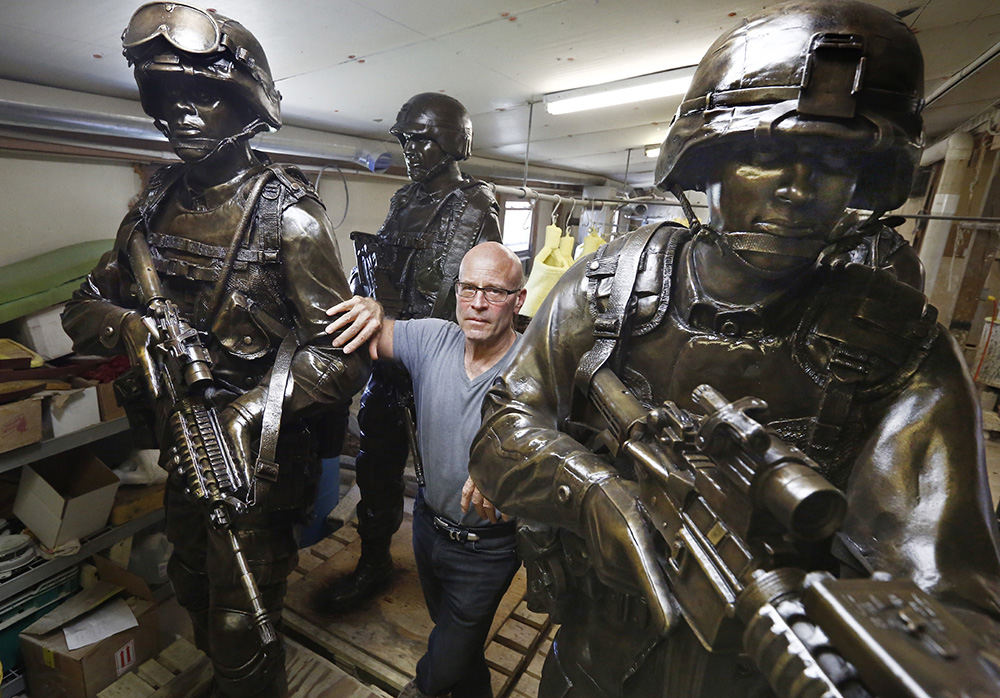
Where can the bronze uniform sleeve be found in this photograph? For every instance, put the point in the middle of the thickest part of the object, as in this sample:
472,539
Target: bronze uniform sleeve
918,499
520,459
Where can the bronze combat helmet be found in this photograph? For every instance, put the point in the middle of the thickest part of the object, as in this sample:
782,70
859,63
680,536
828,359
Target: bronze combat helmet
165,39
441,118
840,71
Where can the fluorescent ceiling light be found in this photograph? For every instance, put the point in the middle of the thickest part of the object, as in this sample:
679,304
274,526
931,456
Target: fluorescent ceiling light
638,89
652,151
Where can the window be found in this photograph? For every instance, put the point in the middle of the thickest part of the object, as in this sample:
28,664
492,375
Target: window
517,228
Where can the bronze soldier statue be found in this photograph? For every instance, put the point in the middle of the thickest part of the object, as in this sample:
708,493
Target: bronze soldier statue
410,266
215,288
799,114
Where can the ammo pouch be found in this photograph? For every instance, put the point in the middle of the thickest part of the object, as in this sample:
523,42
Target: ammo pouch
131,393
551,587
243,328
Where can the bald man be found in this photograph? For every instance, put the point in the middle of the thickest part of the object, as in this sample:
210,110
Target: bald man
464,548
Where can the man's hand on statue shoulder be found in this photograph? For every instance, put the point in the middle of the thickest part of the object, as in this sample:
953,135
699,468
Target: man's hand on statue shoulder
361,320
484,507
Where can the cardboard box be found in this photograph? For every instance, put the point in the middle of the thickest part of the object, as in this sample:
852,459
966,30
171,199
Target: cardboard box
65,497
23,609
71,410
108,403
43,332
54,670
20,423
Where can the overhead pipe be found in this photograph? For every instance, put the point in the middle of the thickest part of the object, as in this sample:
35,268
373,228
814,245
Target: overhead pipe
64,116
945,204
961,75
535,195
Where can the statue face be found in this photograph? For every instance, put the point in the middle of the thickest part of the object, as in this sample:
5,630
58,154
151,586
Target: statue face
197,116
795,193
423,157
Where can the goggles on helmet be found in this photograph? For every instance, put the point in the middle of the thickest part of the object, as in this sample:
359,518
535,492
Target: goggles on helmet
186,28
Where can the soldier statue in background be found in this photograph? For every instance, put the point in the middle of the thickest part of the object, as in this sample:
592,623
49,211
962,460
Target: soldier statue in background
801,112
410,267
215,289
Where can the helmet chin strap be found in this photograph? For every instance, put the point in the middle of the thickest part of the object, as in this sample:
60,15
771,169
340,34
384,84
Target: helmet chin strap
438,168
256,126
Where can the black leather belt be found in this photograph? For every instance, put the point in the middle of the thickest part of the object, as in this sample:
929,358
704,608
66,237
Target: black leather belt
462,534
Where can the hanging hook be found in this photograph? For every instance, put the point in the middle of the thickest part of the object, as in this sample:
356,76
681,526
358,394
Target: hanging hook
555,209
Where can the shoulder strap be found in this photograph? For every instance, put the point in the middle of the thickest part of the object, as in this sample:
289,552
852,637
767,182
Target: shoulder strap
609,322
467,223
267,465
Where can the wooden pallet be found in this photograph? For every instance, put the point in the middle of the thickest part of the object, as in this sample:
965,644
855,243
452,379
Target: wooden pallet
381,641
183,671
179,671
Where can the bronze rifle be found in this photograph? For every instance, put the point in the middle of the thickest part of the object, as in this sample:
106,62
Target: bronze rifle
197,443
738,511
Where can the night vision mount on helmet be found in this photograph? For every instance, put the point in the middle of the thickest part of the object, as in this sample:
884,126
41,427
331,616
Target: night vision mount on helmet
441,118
836,70
171,39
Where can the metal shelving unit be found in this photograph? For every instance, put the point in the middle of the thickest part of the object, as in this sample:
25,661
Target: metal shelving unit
50,447
38,570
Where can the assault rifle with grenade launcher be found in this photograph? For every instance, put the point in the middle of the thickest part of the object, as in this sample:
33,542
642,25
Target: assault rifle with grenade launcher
195,440
738,511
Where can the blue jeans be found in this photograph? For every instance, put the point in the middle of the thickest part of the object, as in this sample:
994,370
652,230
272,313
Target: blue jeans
462,584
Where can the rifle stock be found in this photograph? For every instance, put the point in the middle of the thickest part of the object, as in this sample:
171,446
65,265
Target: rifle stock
738,511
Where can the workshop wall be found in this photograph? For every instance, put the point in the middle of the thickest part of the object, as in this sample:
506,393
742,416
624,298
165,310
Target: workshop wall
51,202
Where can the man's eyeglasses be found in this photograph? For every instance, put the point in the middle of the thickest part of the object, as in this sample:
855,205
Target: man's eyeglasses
493,295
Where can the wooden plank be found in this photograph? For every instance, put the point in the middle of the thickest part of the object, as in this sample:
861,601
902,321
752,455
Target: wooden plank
180,655
312,676
535,665
503,658
384,637
344,653
133,501
308,562
347,535
517,635
527,684
193,683
128,686
500,683
327,548
535,620
154,673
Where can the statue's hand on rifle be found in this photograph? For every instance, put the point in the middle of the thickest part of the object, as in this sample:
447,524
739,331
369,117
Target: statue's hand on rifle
139,343
241,420
621,542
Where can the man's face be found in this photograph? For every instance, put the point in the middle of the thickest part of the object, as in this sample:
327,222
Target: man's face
423,157
795,194
198,115
482,321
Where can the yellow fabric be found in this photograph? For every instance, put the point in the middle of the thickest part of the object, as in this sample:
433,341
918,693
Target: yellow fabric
549,265
590,244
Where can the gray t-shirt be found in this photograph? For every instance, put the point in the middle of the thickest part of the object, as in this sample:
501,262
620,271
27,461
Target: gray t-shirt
449,407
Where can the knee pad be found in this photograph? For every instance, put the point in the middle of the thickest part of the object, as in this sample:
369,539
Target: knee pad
261,674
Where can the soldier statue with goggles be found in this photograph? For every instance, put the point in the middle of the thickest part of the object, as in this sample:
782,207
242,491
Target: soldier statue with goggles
802,126
410,267
245,253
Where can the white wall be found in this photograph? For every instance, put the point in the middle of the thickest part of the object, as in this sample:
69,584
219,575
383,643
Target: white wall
368,203
48,203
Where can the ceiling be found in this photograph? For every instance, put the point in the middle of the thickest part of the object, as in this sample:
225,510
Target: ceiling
346,66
